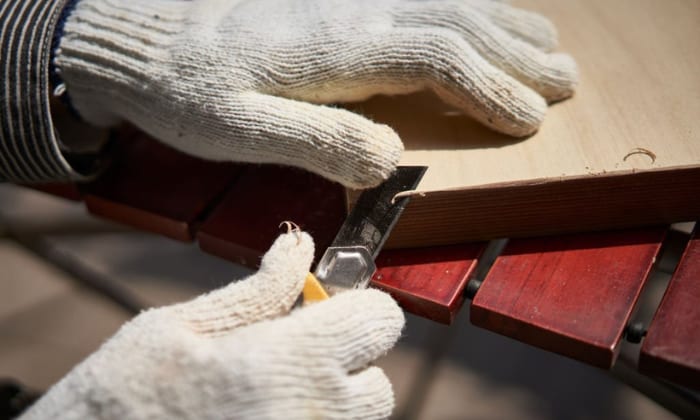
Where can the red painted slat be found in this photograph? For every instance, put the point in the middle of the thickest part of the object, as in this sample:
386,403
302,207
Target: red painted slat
155,188
572,295
247,220
67,190
428,282
671,349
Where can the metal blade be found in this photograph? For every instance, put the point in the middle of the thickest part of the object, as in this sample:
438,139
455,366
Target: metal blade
349,261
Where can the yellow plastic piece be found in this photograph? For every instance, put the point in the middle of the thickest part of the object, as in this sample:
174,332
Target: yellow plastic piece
313,290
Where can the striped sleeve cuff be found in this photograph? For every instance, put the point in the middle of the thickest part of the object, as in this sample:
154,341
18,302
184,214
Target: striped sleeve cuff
30,150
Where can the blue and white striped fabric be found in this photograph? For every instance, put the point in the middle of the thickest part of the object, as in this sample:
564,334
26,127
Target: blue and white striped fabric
30,150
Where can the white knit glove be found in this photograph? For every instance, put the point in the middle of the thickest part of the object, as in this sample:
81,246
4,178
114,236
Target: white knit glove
232,354
234,79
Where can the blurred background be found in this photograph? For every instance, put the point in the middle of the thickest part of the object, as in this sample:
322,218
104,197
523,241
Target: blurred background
49,322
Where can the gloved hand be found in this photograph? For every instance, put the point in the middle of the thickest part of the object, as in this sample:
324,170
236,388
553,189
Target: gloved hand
233,354
235,80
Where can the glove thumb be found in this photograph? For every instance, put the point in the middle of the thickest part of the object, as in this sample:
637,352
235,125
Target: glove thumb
267,294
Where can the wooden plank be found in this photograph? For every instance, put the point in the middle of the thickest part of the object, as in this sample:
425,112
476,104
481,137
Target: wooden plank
428,282
550,207
66,190
571,295
671,349
155,188
586,168
638,90
247,221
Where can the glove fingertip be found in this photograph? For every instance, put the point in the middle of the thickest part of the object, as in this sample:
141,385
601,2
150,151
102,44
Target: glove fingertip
378,150
522,112
294,248
379,308
373,393
563,77
292,253
391,312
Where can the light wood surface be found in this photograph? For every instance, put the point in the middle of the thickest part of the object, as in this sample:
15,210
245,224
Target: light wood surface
636,110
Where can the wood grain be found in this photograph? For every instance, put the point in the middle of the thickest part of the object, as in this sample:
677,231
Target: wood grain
671,349
155,188
572,295
428,282
638,88
544,207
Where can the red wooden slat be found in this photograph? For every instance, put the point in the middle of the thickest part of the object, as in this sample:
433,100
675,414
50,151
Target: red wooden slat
66,190
671,349
572,295
247,221
155,188
428,282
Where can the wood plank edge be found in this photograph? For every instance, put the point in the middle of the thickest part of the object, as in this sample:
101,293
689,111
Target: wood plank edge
655,365
653,362
138,218
229,250
422,306
67,191
602,356
550,206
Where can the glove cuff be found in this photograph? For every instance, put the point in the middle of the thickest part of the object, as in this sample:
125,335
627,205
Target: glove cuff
112,51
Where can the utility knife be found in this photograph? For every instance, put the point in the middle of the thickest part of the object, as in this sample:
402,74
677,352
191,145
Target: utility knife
349,262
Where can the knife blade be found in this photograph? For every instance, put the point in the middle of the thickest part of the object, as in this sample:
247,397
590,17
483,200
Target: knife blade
348,263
